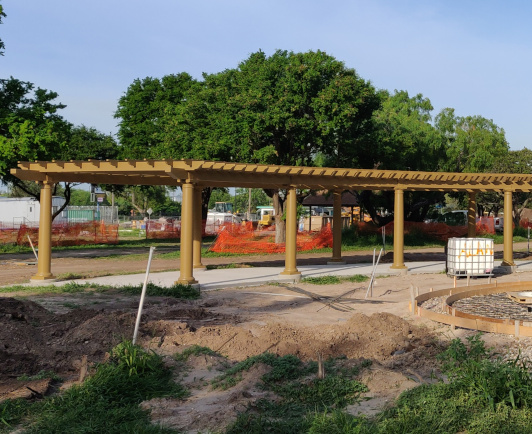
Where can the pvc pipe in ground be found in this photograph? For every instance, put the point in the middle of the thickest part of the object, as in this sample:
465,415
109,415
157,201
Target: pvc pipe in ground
143,296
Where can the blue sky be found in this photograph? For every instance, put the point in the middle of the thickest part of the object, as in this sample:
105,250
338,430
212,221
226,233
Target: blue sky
474,56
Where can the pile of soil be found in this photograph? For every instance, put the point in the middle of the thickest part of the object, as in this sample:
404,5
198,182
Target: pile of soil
34,339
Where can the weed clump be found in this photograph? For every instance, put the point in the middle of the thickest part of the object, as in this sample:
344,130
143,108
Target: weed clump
108,401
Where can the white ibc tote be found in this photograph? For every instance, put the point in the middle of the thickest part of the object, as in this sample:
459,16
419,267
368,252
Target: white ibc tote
470,257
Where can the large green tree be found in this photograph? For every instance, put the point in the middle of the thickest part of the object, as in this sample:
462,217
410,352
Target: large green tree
279,109
403,138
519,161
471,143
31,128
141,111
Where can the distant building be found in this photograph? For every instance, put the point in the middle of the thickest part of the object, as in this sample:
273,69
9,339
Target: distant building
16,211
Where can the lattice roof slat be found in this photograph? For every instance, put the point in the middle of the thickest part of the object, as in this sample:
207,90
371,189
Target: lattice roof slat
231,174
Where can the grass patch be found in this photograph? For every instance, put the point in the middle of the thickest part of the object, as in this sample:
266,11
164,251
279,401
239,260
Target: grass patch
108,401
299,396
194,350
12,412
228,266
177,291
69,276
41,375
483,394
70,287
333,280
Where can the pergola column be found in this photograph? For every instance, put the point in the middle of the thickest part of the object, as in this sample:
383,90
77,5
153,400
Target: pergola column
291,234
472,215
398,230
198,229
44,263
337,228
186,276
507,256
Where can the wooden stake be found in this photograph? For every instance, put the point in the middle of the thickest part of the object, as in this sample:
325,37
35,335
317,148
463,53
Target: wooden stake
321,367
412,299
453,313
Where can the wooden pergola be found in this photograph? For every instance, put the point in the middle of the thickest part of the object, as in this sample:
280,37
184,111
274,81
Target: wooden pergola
193,175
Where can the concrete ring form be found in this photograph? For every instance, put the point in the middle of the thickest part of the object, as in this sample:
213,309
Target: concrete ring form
457,318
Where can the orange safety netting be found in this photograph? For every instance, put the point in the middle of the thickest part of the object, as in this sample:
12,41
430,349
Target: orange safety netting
244,239
63,234
171,228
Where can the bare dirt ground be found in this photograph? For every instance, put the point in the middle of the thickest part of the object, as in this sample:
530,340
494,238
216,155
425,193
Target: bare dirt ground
56,332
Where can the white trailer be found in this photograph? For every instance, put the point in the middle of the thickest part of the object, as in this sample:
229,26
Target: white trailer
16,211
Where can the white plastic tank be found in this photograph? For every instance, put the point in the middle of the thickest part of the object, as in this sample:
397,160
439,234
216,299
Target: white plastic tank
470,256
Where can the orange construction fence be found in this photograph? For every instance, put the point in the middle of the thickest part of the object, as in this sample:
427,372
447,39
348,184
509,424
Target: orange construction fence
63,234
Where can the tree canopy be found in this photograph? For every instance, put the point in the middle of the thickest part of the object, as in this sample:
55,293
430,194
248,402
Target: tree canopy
471,143
2,45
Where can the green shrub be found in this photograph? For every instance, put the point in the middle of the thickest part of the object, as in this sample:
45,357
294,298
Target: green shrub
108,401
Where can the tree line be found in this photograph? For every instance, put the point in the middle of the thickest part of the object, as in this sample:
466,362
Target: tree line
285,108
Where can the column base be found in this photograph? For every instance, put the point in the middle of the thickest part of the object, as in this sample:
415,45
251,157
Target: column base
398,266
199,267
38,278
190,282
290,276
403,269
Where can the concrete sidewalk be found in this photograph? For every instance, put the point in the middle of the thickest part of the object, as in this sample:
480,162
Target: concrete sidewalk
253,276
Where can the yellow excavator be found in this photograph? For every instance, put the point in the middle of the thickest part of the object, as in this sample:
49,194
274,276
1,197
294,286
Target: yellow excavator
267,216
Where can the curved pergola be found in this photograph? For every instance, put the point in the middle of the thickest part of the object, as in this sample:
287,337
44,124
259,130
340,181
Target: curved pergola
193,175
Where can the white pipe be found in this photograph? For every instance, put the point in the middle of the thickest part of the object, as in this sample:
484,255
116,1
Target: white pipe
142,296
33,248
370,286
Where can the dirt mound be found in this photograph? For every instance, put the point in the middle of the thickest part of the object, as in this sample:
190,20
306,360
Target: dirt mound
381,337
33,339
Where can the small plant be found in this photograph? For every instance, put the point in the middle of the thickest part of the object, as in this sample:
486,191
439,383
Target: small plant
41,375
194,350
322,280
333,280
357,278
69,276
178,291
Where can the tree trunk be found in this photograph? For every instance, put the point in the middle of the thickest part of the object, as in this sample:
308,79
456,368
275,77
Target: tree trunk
67,195
280,224
205,197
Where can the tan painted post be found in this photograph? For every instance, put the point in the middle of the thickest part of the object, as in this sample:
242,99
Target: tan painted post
398,231
198,229
472,215
337,227
44,263
507,256
186,276
291,234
